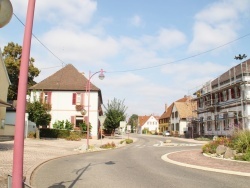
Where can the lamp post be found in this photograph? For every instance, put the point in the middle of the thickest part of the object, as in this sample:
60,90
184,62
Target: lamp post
101,77
17,173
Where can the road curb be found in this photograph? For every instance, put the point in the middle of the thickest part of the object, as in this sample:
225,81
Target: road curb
165,158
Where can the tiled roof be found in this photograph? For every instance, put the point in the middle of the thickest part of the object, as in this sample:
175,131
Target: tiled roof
167,114
144,119
186,109
66,79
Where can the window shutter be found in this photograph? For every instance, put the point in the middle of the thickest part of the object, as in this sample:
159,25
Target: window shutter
49,97
74,98
82,98
232,93
73,120
41,96
86,118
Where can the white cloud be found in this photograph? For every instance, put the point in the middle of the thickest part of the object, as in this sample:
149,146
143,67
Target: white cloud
58,11
217,24
82,47
136,21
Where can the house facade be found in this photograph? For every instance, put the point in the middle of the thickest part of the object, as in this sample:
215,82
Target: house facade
65,94
4,85
224,103
148,123
164,120
176,117
182,111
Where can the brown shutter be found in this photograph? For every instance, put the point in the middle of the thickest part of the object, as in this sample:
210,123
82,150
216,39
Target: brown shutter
49,97
232,93
73,120
74,98
82,98
86,118
41,97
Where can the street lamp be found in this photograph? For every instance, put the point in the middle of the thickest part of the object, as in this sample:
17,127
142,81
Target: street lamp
6,11
17,173
101,77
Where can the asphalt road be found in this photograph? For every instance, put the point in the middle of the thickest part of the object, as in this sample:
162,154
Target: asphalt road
134,166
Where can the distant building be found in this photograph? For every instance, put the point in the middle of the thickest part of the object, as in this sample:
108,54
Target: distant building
223,104
148,123
176,118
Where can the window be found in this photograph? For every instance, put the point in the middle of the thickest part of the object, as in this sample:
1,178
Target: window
209,126
177,127
79,119
176,114
237,92
45,97
172,127
172,115
225,122
77,98
217,126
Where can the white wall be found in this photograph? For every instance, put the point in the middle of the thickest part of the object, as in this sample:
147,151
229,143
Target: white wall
152,124
10,121
62,108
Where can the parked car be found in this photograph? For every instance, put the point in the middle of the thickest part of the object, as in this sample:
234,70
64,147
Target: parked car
166,133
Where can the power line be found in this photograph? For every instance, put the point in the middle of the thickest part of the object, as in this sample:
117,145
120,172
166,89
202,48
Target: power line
42,45
144,68
185,58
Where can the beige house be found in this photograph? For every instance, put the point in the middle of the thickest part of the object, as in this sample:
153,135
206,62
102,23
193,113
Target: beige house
4,85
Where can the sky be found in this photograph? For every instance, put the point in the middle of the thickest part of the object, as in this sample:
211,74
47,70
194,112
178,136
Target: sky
153,52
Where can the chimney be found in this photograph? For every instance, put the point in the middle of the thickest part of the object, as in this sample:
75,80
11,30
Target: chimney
166,107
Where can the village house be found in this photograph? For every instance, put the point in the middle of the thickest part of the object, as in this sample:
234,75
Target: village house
65,91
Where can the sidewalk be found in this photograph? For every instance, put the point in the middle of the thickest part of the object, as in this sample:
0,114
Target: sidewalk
37,152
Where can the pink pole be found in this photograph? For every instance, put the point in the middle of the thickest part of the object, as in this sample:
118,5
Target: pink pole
88,110
17,173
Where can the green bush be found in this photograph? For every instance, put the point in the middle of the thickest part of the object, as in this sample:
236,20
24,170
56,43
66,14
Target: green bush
54,133
246,156
241,141
108,145
74,136
128,141
212,145
145,131
63,125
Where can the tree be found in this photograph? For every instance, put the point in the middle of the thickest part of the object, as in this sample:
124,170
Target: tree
133,121
38,113
12,58
115,112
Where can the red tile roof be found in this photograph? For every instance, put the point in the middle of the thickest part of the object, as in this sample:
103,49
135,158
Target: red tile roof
66,79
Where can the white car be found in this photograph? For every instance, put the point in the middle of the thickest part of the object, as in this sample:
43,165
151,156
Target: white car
166,133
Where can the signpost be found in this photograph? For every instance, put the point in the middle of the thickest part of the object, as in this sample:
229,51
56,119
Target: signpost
101,119
128,129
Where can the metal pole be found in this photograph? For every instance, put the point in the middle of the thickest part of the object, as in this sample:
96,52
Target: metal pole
88,110
17,181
